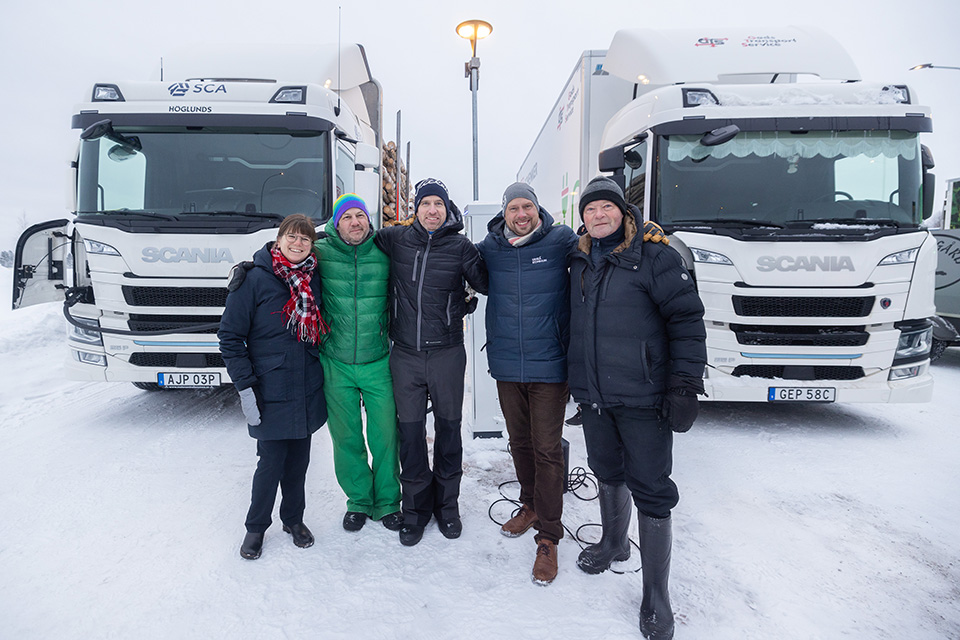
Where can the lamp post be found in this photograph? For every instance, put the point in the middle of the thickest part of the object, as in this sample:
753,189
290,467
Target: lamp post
932,66
474,30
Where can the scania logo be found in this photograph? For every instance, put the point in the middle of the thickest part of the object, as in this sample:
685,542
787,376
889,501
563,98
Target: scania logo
805,263
184,254
180,89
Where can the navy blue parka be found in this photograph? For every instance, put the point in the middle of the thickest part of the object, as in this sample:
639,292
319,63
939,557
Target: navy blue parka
528,306
259,349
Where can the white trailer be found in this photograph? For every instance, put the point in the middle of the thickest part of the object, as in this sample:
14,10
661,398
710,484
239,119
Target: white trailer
177,179
946,330
793,190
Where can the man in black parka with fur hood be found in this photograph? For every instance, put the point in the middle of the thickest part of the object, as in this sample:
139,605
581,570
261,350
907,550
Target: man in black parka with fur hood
636,360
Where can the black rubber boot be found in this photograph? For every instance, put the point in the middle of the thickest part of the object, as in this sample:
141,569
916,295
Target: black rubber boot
615,510
656,540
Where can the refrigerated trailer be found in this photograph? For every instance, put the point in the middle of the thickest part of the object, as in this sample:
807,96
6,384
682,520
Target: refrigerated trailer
177,179
793,190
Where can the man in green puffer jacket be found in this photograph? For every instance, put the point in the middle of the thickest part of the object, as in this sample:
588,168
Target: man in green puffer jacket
355,354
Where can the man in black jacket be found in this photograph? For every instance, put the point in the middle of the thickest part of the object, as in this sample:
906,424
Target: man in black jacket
636,360
429,261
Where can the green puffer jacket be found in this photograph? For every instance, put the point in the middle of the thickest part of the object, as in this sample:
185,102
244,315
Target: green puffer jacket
354,302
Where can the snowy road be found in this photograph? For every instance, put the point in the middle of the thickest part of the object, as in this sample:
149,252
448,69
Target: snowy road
122,511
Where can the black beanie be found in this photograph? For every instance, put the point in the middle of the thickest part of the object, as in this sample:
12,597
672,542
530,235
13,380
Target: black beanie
431,187
603,188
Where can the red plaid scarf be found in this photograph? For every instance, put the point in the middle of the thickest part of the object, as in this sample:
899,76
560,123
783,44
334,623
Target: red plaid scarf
300,313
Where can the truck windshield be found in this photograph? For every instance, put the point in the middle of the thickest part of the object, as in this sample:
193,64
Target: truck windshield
202,172
791,179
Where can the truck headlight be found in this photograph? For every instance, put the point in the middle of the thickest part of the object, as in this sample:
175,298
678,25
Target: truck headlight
99,248
901,257
904,372
914,343
709,257
87,336
90,358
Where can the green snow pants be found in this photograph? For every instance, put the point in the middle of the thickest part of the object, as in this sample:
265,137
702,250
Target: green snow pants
370,489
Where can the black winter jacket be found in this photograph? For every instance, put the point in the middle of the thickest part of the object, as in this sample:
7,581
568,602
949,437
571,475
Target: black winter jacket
528,307
258,349
427,272
635,320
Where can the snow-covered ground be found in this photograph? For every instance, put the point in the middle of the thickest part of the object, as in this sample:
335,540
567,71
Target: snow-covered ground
121,513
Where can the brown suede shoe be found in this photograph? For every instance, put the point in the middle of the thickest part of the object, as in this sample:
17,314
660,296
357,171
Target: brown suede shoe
518,524
545,566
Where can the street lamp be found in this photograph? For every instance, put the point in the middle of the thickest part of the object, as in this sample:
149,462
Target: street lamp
474,30
932,66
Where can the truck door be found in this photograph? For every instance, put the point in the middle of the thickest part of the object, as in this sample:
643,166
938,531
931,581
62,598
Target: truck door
40,263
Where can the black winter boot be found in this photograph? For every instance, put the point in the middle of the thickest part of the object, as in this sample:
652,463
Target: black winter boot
656,540
615,509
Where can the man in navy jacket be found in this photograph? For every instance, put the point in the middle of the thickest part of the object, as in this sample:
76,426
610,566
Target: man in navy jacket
528,324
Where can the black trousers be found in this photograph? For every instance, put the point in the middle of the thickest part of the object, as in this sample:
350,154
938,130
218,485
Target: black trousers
281,463
437,373
633,445
534,414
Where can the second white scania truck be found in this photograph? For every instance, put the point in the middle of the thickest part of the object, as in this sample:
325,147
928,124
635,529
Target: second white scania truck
793,190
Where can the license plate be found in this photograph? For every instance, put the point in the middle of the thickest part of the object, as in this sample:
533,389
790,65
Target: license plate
802,394
188,380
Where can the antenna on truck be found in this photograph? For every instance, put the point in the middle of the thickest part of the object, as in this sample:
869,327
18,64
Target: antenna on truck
339,54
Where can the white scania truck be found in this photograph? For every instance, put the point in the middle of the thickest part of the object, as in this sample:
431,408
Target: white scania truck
793,190
177,179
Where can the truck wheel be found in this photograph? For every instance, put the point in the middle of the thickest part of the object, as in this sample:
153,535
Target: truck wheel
147,386
937,349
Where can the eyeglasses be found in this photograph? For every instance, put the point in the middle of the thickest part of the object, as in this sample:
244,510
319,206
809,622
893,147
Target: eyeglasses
295,239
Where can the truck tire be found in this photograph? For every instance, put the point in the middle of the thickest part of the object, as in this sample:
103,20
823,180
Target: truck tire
147,386
937,349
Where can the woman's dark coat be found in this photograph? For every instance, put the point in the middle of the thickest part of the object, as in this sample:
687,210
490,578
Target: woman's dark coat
636,319
259,350
528,307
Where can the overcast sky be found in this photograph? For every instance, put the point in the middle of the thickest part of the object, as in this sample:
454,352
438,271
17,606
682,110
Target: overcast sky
51,53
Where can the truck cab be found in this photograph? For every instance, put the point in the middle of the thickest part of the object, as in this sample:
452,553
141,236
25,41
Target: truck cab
175,181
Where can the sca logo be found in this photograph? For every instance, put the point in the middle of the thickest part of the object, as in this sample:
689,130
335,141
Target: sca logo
179,89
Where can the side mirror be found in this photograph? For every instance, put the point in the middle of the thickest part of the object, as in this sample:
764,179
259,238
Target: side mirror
720,135
612,159
104,129
368,156
929,184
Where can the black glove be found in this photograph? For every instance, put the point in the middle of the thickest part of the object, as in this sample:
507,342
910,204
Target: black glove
680,410
238,273
472,303
680,405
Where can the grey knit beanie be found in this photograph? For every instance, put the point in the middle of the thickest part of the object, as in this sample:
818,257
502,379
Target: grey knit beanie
519,190
603,188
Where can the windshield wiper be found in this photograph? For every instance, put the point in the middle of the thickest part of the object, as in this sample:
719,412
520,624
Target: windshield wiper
132,213
882,222
728,222
242,214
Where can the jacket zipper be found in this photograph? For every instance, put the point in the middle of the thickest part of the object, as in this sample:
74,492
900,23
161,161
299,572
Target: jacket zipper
423,269
356,305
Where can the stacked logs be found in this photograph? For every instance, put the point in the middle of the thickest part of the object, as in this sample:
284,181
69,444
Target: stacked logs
389,175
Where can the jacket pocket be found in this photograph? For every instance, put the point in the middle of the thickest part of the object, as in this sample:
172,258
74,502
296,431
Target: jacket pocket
272,378
449,307
644,362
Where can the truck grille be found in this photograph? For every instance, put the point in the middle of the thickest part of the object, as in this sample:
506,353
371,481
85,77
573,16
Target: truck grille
794,372
180,360
175,296
812,307
781,336
140,322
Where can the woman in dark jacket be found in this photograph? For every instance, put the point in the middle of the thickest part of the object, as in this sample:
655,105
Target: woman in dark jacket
268,337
